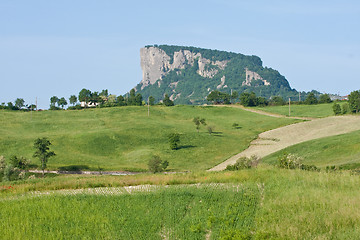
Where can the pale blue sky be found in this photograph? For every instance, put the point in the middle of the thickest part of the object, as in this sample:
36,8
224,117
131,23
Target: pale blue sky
57,48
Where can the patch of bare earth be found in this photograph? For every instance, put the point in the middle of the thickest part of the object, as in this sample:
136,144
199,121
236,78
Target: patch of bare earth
280,138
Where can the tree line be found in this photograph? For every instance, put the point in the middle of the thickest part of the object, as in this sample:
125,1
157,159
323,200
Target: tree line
249,99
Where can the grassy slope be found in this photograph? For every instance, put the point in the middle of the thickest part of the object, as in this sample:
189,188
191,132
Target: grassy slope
319,110
125,138
290,204
338,150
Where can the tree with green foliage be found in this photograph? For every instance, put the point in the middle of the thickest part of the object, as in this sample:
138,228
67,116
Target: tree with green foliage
174,140
324,98
19,162
248,99
277,101
199,121
85,96
104,93
120,100
167,101
311,99
336,109
151,100
131,99
73,100
218,97
138,100
155,164
354,101
54,100
234,95
43,152
345,108
62,102
19,103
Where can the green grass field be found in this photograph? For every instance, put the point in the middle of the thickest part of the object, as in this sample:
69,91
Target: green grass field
124,138
315,111
263,203
337,150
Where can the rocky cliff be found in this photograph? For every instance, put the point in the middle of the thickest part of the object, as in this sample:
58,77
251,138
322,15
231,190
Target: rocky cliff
189,74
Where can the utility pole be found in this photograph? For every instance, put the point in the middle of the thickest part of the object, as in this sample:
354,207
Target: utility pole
289,106
36,104
299,97
148,106
231,96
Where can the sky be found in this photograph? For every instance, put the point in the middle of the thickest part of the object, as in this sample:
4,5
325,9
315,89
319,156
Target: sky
56,48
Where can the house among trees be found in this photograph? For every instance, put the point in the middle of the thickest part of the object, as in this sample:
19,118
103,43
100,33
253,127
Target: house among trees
89,104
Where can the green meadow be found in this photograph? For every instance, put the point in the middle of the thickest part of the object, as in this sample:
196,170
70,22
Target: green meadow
125,138
315,111
262,203
341,150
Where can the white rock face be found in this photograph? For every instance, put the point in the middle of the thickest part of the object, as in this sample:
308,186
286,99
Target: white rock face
155,64
251,76
222,83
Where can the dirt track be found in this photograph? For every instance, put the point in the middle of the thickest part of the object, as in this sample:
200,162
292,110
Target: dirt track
280,138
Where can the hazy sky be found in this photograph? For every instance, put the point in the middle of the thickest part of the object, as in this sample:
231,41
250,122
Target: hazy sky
57,48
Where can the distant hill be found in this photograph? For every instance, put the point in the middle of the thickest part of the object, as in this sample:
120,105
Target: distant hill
189,74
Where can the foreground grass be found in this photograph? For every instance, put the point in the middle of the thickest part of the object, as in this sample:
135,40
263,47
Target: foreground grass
125,138
340,150
277,203
315,111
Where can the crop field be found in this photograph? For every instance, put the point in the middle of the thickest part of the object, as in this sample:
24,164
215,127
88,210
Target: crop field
125,138
340,150
315,111
190,212
262,203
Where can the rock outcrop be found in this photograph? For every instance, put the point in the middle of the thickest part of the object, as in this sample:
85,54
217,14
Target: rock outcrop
156,64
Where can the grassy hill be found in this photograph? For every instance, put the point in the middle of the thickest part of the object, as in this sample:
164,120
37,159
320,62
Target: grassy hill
338,150
124,138
315,111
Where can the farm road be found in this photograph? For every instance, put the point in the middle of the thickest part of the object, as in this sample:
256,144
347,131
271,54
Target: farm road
274,140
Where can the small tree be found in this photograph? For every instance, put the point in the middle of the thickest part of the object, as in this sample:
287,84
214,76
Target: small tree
62,102
311,99
198,121
19,103
354,101
73,100
167,101
54,100
156,165
336,109
43,152
151,100
174,140
235,125
345,108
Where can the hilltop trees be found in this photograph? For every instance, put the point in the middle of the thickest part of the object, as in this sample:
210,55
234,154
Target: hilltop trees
19,103
73,100
218,97
167,101
311,99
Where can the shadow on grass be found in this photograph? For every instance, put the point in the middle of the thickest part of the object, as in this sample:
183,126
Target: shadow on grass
74,168
186,146
216,134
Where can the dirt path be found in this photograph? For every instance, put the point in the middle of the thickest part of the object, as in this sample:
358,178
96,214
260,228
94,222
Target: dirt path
280,138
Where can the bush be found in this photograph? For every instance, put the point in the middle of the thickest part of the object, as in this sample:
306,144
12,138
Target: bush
337,109
244,163
19,162
345,108
174,140
156,165
291,161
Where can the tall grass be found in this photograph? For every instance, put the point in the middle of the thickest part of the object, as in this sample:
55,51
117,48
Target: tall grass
290,204
186,212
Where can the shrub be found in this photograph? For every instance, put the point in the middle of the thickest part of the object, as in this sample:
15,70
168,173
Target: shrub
291,161
210,129
174,140
156,165
235,125
244,163
337,109
345,108
19,162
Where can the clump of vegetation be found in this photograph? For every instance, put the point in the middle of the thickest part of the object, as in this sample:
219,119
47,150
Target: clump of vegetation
155,164
199,121
14,169
336,109
174,140
244,163
210,129
43,152
292,161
